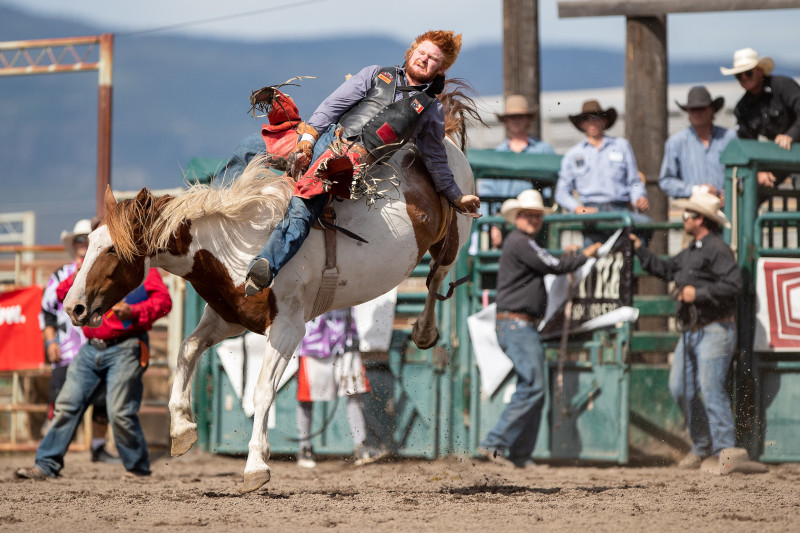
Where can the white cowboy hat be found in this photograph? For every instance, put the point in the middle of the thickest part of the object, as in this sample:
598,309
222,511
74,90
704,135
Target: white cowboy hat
528,199
707,205
747,59
82,227
738,460
516,104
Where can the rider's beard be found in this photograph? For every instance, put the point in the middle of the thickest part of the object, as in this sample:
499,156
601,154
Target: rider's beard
419,75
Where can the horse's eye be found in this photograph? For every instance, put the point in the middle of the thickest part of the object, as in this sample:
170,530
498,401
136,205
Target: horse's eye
111,250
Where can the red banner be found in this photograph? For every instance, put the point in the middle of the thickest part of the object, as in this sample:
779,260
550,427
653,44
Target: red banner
21,344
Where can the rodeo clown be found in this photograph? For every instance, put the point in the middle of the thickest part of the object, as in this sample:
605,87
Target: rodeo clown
366,120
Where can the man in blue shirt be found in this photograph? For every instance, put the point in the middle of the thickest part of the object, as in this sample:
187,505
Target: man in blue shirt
691,156
517,118
601,169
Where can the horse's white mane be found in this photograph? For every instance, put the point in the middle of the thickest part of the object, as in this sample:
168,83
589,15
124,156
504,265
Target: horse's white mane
257,187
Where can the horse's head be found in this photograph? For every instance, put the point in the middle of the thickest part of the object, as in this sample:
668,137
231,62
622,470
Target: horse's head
116,261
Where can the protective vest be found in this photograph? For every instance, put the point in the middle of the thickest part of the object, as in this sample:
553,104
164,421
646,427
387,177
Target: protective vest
382,125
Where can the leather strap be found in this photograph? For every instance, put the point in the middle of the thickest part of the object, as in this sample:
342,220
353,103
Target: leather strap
330,275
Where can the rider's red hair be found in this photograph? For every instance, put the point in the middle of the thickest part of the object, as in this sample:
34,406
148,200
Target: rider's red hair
448,41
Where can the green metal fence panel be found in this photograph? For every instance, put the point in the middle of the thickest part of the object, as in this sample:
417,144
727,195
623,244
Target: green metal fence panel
765,383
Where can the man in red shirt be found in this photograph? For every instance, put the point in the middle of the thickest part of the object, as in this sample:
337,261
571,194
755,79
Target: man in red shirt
116,353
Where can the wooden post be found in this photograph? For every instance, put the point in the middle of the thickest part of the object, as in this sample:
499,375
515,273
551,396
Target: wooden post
646,107
646,125
104,120
521,53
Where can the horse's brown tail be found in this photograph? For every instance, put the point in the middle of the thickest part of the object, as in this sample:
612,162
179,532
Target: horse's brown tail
459,108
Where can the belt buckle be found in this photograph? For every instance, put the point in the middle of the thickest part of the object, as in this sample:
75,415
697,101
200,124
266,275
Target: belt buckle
99,344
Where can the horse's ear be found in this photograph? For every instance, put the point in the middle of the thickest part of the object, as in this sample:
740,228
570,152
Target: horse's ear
144,197
111,202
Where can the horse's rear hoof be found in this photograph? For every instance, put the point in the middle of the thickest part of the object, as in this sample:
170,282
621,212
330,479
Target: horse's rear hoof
422,344
255,480
183,443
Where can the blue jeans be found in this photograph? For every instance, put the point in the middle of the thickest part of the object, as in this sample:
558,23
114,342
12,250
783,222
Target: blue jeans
290,233
119,366
247,149
590,236
518,427
253,144
707,354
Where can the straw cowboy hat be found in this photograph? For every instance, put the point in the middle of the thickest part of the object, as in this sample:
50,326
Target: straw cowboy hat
516,104
528,199
700,97
707,205
592,108
746,59
737,460
82,227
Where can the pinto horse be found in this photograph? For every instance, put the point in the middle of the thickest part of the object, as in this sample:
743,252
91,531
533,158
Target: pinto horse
208,236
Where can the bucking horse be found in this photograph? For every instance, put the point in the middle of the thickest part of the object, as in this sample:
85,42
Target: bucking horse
208,235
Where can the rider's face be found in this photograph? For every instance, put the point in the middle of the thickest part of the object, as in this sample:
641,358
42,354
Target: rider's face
425,63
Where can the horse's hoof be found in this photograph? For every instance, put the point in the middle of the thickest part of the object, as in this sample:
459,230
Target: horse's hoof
183,442
422,345
255,480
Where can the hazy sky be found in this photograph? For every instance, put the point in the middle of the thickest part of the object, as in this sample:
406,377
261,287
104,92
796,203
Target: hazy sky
707,36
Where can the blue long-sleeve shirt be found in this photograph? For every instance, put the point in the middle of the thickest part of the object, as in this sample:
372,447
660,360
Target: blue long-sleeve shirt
511,188
687,162
604,175
428,134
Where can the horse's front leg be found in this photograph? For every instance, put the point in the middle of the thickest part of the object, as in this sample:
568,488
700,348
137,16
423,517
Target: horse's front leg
282,340
426,333
211,329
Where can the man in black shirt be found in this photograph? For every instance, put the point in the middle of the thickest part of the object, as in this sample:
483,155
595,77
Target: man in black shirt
707,282
770,107
521,302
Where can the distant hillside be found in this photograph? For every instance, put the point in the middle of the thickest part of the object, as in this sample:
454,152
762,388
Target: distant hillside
176,98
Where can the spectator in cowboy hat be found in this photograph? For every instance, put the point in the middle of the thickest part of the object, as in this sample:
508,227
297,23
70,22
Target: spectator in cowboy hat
707,284
771,106
691,156
602,171
517,117
62,340
521,303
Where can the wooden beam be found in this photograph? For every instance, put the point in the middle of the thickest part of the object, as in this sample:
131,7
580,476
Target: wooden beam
521,53
644,8
646,126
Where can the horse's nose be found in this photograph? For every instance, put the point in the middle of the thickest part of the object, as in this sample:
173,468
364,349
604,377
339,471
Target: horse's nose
78,312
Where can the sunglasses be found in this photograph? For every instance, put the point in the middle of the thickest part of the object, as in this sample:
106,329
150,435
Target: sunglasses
746,74
689,215
81,239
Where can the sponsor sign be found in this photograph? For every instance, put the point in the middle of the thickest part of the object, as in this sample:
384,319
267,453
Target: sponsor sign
21,345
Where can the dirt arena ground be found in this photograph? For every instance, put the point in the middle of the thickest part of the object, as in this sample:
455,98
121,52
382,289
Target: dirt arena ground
201,492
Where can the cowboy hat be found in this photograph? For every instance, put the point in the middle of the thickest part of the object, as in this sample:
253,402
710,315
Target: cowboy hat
738,460
700,97
82,227
747,59
707,205
527,199
516,104
592,108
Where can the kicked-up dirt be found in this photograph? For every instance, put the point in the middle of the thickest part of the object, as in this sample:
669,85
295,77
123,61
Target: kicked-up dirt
200,492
